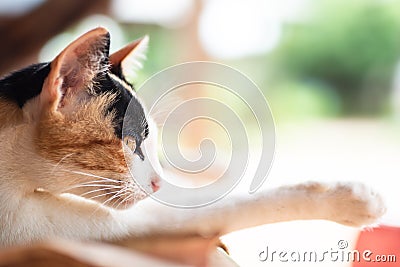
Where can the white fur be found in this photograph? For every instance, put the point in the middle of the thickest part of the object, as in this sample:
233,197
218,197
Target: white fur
28,216
32,205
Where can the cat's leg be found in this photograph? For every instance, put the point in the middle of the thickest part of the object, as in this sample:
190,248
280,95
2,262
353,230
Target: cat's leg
350,204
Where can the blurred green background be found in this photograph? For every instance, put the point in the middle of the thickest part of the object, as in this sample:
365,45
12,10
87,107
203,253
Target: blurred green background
312,59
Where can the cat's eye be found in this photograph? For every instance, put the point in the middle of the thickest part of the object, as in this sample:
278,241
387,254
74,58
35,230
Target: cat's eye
130,142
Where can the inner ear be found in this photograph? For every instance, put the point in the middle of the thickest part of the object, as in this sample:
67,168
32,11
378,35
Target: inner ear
73,70
125,62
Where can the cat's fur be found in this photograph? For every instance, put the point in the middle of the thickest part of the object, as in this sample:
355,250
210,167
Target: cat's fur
63,172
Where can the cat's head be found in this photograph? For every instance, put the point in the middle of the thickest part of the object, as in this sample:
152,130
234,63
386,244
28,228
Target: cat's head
76,118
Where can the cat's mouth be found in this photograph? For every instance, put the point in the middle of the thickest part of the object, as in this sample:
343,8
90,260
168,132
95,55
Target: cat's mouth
113,194
121,198
128,196
110,190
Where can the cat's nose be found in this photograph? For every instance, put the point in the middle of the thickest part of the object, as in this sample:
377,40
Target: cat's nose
155,183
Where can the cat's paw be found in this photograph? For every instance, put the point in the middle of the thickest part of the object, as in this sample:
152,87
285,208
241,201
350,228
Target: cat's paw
352,204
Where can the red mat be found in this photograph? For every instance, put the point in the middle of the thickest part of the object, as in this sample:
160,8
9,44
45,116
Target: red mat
379,247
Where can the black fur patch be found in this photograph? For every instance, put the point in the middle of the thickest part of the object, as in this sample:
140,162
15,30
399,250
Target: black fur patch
22,85
137,123
117,70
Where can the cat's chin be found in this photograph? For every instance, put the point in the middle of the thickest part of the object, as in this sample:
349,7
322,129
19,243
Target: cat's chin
125,202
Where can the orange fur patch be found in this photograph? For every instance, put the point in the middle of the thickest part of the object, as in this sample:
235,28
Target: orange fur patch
10,114
85,136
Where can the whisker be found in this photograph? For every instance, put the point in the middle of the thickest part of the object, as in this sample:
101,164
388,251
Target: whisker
99,181
106,201
118,194
126,192
93,175
91,185
94,191
101,195
59,162
110,199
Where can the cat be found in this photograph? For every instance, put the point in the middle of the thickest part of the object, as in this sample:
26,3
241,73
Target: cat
64,173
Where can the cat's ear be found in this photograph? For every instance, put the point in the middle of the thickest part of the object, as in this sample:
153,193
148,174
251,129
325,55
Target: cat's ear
126,61
73,70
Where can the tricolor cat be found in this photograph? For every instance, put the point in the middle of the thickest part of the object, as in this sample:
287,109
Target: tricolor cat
64,173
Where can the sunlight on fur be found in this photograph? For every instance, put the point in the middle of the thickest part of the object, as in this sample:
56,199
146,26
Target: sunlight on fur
64,170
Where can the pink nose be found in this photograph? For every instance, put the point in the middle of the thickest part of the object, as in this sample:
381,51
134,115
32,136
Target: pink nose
155,184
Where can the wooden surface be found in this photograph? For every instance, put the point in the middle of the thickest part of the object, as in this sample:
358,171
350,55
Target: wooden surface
23,36
156,251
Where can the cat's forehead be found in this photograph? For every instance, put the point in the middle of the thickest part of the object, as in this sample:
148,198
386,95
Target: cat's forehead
26,84
136,124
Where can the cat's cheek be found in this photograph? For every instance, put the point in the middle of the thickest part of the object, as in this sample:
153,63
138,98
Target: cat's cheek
144,173
137,194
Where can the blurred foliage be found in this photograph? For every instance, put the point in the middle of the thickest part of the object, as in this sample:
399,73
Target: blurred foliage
339,60
352,46
294,100
160,56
